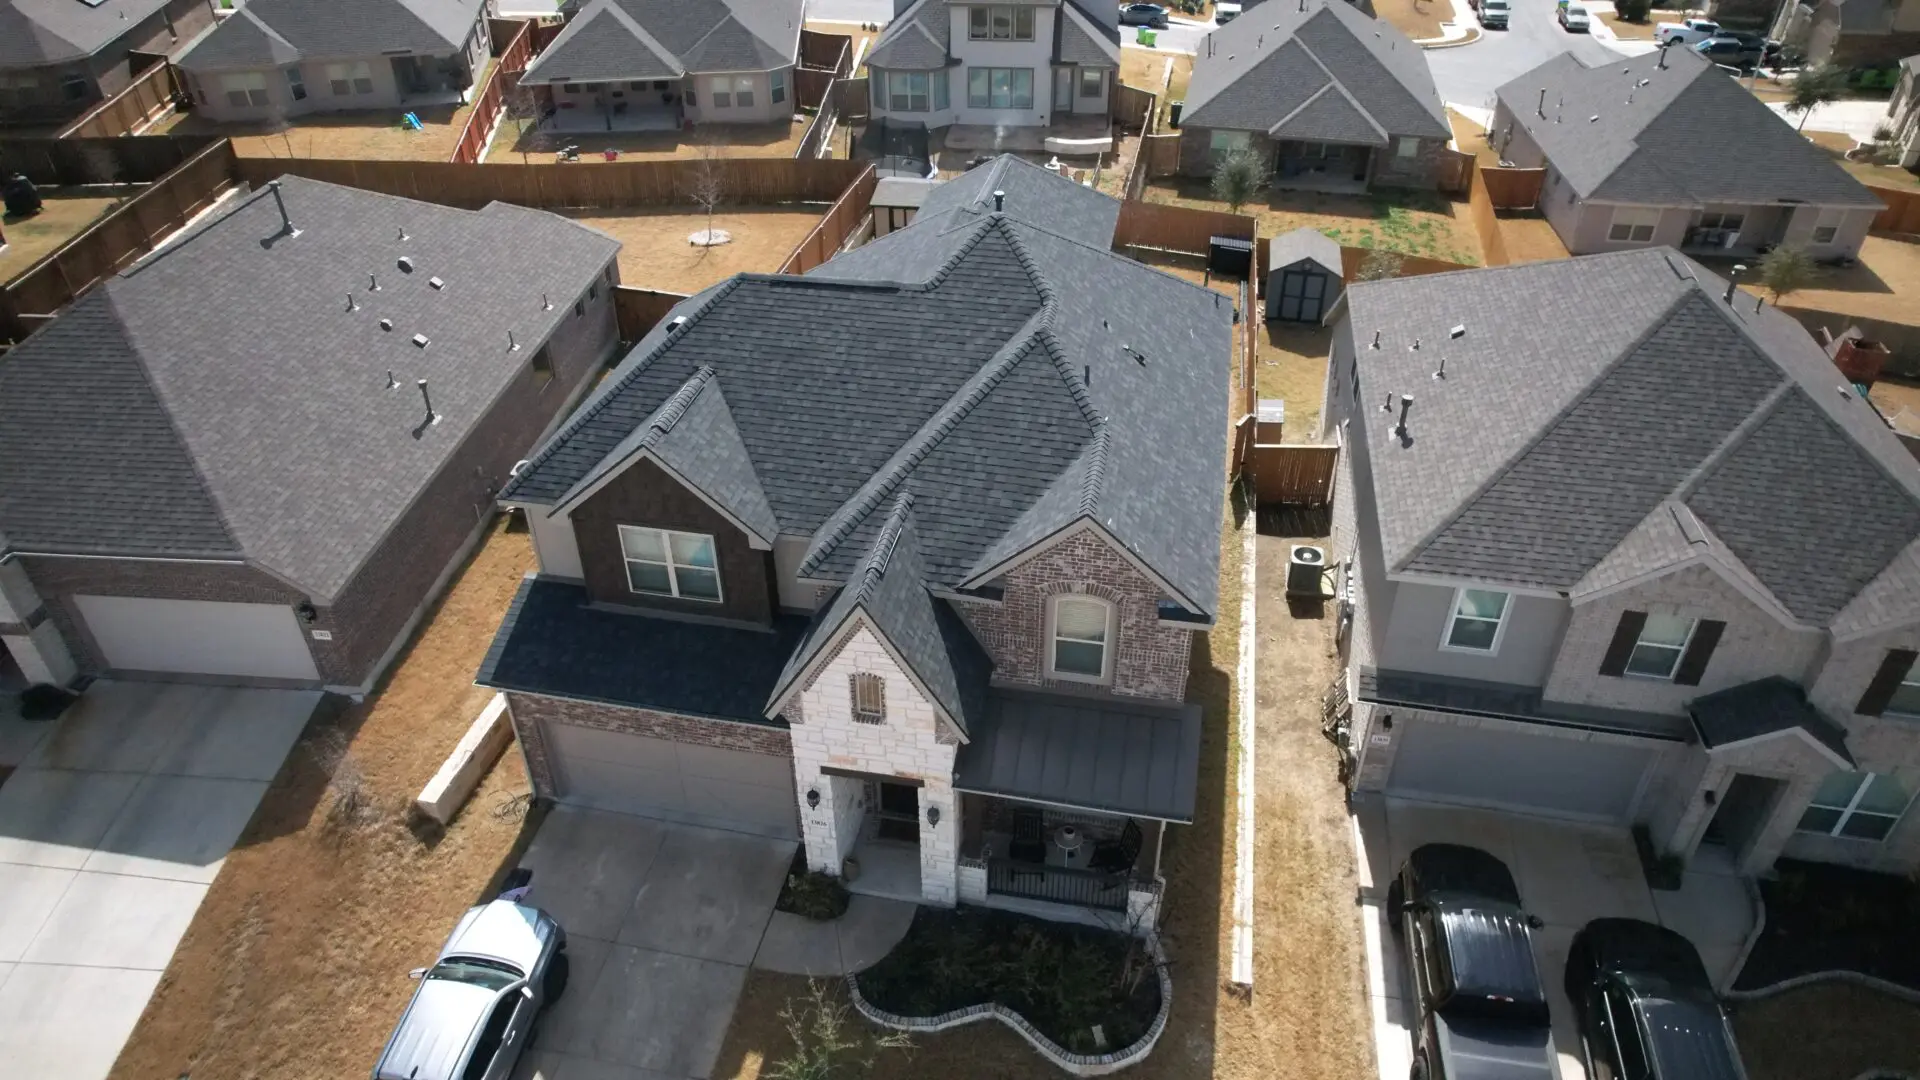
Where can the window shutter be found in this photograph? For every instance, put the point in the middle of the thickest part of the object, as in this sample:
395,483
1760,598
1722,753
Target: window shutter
1699,651
1625,637
1893,669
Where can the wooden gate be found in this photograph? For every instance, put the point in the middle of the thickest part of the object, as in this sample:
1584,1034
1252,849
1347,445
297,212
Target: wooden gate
1294,475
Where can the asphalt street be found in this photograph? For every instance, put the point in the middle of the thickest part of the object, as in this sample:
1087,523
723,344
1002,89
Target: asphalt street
1469,74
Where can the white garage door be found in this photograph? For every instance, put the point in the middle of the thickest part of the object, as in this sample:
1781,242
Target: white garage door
198,636
1532,773
701,785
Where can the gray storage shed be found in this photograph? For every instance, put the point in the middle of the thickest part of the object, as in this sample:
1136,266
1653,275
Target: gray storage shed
1303,276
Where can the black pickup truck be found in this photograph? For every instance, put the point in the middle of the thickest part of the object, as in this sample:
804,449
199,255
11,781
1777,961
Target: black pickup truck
1482,1012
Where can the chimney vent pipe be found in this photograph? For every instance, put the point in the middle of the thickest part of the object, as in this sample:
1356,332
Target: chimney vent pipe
428,400
286,223
1406,406
1732,277
999,200
1542,107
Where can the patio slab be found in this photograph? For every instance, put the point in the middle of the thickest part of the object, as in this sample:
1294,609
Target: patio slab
708,895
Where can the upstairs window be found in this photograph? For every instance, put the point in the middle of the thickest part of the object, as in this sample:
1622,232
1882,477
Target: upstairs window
999,22
1663,641
1478,617
1081,631
1857,806
661,562
869,698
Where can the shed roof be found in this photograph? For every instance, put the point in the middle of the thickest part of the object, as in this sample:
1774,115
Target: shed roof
1305,245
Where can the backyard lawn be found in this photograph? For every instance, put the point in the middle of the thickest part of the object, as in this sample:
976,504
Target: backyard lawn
296,965
1415,18
1528,237
1471,138
736,140
1884,284
655,252
1292,366
1410,222
365,136
60,219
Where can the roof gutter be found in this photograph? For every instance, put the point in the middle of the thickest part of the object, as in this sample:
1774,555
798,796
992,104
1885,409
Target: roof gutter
14,553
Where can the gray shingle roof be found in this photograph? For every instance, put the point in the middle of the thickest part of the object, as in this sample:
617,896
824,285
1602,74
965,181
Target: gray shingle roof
1763,707
950,359
35,32
1304,245
1103,754
263,31
1033,195
616,40
1086,34
916,40
247,411
1585,395
1689,135
1258,70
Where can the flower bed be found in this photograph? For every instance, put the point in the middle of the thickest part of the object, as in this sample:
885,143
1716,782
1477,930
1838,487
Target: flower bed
1062,980
1822,918
811,894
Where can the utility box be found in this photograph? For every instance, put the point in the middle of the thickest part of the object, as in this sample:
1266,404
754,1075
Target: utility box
1230,256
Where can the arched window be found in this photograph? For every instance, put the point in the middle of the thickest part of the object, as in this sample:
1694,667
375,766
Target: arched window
1080,633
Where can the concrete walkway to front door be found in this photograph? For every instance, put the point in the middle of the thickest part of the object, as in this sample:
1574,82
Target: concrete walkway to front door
662,921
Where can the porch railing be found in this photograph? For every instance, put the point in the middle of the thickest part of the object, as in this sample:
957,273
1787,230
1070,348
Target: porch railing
1061,885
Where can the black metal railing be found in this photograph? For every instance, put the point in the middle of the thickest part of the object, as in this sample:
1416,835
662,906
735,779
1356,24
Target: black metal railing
1085,888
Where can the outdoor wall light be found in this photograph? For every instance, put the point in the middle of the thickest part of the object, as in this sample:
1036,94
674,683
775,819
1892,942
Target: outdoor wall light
933,815
1386,721
813,798
307,612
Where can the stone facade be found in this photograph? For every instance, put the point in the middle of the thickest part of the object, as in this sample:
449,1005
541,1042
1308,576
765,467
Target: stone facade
531,713
912,744
1150,656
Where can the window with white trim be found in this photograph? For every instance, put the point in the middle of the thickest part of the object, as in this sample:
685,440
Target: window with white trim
999,22
355,78
1856,806
1093,82
907,91
1663,641
1080,635
1633,224
1479,615
1220,142
1827,225
1906,697
1406,146
296,85
661,562
999,88
869,698
743,91
720,92
245,88
1731,222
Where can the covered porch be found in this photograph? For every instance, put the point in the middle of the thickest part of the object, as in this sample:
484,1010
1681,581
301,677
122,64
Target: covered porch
636,105
1339,168
1061,863
1736,230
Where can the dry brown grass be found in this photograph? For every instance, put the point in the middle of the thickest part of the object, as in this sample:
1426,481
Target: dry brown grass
1899,402
1828,1032
1471,138
1640,31
1884,284
295,966
1415,18
1410,222
1837,144
362,136
736,140
1529,238
655,254
1292,366
61,218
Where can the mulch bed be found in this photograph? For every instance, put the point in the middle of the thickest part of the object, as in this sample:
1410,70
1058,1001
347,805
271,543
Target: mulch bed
809,894
1833,918
1063,979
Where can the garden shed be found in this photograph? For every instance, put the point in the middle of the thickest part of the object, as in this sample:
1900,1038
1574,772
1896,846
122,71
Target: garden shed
1303,276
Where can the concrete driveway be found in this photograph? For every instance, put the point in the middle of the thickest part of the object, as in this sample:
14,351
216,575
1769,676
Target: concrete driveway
111,828
662,921
1568,875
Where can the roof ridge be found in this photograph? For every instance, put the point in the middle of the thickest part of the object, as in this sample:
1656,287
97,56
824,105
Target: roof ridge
676,405
880,557
1740,434
1048,297
653,44
1093,485
1076,385
1311,98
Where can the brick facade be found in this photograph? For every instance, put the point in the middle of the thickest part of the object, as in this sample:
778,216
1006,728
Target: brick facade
1150,657
531,713
1385,168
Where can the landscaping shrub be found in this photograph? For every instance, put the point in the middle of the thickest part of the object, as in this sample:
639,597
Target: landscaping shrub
827,1045
810,893
1633,11
1062,979
45,701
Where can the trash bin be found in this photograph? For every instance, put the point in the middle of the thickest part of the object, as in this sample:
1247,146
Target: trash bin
1146,37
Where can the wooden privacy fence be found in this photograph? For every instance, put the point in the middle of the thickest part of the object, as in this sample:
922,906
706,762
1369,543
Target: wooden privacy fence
636,311
852,207
145,100
1453,171
817,140
1175,228
123,235
1132,108
1902,214
551,185
1493,246
491,103
826,52
1296,475
1351,259
1512,189
128,159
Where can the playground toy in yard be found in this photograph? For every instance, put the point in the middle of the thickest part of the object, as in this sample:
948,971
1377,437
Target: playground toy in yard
411,122
611,154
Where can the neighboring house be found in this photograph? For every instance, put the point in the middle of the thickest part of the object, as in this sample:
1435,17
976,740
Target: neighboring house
1640,555
660,64
1851,33
1024,63
1665,150
1903,112
904,557
220,464
1330,98
59,57
272,59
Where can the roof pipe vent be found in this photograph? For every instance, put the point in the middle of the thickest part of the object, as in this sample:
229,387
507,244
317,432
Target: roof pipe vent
512,345
373,283
1542,107
1732,278
392,383
1440,373
432,417
1376,340
352,305
403,234
999,200
1400,429
286,222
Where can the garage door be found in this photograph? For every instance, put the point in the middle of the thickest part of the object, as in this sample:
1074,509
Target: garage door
702,785
1513,770
198,636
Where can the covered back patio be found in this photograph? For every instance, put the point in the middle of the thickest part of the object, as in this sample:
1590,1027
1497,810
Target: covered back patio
631,105
1321,166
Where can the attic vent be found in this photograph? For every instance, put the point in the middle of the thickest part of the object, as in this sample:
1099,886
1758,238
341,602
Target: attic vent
436,283
1458,332
406,264
403,233
420,341
1593,119
1845,393
678,323
386,324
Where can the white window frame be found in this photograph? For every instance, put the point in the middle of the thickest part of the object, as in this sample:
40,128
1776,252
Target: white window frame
1014,98
1693,626
1453,616
1911,682
917,98
719,92
1848,812
673,580
743,91
296,83
250,86
1098,79
1107,646
777,86
1838,217
1633,219
986,30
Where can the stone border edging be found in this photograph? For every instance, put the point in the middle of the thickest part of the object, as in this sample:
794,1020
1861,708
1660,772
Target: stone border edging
1911,997
1076,1064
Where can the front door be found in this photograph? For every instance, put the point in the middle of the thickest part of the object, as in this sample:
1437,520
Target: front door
1062,90
899,812
1743,813
1302,295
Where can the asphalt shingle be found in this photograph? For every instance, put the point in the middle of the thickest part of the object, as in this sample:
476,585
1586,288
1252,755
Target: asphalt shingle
618,40
35,32
332,30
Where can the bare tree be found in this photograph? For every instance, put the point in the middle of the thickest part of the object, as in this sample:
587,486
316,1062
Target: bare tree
828,1042
707,182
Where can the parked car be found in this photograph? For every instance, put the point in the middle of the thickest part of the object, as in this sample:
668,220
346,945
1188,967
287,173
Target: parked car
1685,32
1493,14
1730,51
1575,20
472,1014
1480,1006
1225,11
1645,1006
1143,15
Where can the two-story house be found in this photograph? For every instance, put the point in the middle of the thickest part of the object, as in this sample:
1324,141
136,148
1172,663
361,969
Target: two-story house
903,557
1019,64
1619,544
1850,33
59,57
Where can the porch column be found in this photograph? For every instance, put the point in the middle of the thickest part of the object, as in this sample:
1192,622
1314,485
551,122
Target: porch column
832,828
939,843
42,655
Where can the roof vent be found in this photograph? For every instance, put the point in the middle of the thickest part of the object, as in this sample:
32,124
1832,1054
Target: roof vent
1593,119
1376,340
436,283
1440,373
1457,332
1400,429
352,305
1415,347
545,304
403,234
373,283
386,324
512,345
999,200
676,324
420,341
1845,393
432,417
392,383
406,264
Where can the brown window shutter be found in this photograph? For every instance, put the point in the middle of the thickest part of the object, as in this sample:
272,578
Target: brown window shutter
1893,670
1693,663
1625,637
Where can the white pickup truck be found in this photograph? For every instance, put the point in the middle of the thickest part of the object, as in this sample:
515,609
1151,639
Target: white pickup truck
1686,32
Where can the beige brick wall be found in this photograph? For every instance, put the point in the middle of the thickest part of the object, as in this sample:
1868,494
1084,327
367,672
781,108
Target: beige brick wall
1882,744
1754,645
